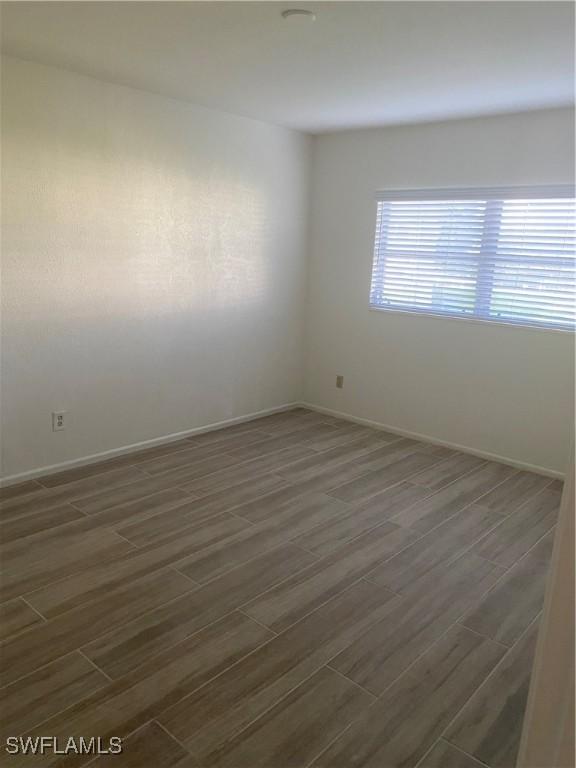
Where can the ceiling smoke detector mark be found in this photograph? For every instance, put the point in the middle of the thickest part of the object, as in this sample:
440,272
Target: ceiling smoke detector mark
300,15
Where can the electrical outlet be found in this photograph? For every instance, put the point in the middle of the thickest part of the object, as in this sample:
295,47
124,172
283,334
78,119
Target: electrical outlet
58,421
340,382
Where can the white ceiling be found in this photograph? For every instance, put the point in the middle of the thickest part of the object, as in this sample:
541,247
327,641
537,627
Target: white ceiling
359,64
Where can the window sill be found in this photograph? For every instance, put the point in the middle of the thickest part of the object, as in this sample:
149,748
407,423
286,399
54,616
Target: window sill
474,320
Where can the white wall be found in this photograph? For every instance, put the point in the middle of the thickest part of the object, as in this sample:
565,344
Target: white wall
153,265
502,390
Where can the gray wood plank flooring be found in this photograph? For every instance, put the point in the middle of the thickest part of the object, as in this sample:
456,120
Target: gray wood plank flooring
289,592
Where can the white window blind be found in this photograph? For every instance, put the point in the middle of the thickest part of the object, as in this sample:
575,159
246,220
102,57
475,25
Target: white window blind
505,255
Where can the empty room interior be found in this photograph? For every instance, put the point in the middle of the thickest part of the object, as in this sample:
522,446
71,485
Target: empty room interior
287,384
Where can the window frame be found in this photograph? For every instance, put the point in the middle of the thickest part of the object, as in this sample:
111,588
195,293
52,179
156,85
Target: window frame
488,194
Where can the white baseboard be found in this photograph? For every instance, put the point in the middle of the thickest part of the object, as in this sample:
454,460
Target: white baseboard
93,458
31,474
435,441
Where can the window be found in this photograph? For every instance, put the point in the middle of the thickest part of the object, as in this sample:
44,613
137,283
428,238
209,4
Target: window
505,255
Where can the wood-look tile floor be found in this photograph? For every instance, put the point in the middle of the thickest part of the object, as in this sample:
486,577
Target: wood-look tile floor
294,591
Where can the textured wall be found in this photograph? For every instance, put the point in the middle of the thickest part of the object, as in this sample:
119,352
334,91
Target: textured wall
503,390
153,265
